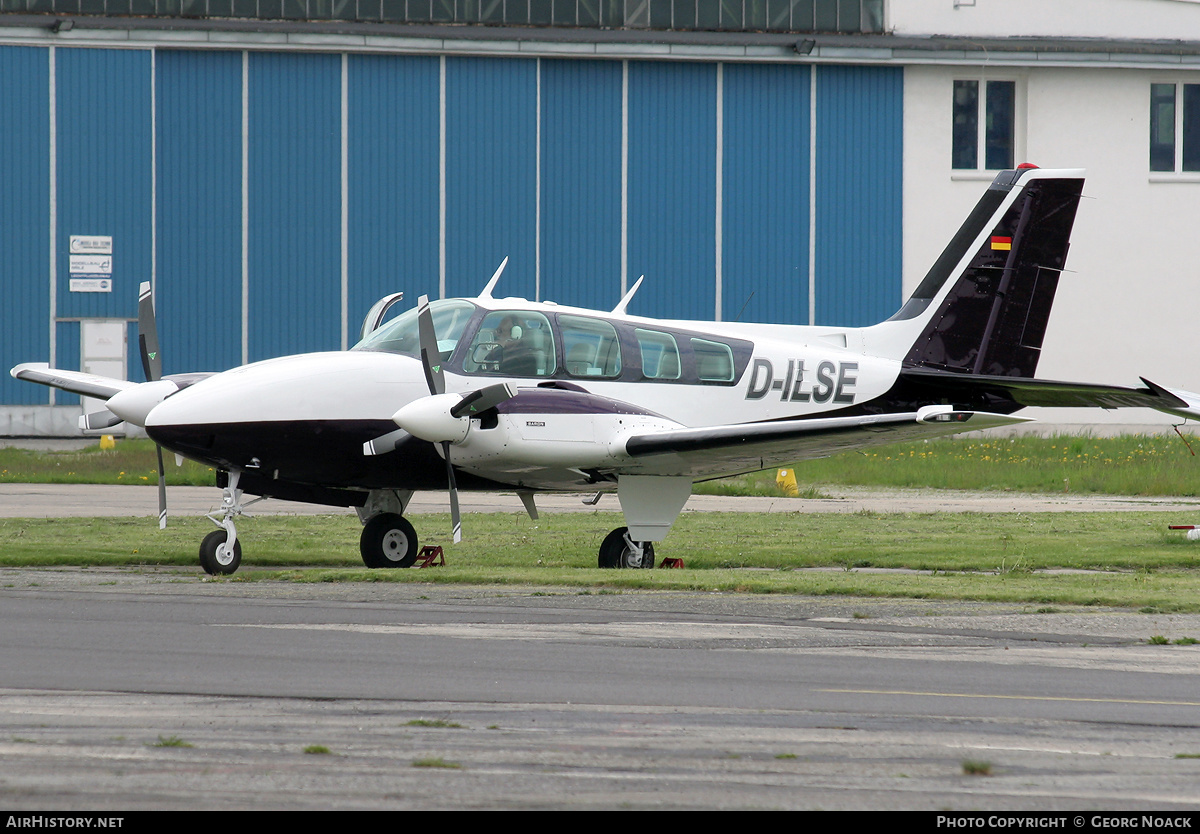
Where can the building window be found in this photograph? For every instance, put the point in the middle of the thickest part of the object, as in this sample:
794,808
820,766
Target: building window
1175,139
984,125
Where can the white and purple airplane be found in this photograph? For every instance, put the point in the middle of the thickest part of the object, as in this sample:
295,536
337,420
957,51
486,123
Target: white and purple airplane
507,394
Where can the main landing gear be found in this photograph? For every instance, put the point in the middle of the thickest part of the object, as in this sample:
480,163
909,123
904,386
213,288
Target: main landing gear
388,541
619,551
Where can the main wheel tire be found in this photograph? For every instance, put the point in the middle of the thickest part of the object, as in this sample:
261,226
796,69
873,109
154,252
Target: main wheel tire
615,553
216,557
388,541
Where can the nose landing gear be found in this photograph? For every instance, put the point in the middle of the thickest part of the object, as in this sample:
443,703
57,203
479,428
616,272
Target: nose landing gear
221,552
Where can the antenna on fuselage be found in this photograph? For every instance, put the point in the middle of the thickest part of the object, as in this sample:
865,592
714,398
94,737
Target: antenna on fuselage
624,302
487,291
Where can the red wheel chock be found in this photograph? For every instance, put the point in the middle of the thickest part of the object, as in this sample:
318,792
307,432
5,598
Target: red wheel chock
671,563
430,556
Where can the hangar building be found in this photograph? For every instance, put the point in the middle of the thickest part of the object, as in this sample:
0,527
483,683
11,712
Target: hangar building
275,166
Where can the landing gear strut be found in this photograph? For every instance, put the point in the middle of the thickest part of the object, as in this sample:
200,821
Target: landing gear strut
221,552
619,551
388,541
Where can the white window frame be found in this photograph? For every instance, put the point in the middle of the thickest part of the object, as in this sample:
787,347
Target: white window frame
1019,126
1177,174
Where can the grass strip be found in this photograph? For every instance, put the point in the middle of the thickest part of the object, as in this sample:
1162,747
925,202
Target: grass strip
1124,559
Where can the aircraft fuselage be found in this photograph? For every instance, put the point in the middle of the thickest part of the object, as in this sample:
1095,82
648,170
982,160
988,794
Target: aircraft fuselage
304,418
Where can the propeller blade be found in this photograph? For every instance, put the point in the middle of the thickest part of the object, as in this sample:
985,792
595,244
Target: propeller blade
384,443
482,399
98,420
431,357
455,515
162,490
148,334
152,367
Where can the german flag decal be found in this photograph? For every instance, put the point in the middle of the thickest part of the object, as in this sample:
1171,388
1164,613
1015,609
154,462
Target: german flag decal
1001,243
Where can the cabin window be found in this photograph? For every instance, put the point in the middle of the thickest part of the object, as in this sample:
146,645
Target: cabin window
714,361
660,354
512,343
401,335
590,347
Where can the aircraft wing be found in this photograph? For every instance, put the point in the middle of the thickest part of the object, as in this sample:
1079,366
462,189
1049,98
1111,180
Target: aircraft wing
77,382
1024,392
717,451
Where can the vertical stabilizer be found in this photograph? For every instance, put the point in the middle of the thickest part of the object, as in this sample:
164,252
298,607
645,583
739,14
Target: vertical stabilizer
986,301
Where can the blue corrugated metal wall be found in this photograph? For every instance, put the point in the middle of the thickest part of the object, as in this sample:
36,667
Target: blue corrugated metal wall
295,197
491,174
103,106
24,216
581,183
765,206
672,187
199,171
532,169
859,198
393,180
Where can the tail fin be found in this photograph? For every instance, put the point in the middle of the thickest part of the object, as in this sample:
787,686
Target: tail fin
986,301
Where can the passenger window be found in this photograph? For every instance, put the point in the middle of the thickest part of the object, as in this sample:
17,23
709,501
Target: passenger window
512,343
714,361
590,346
660,354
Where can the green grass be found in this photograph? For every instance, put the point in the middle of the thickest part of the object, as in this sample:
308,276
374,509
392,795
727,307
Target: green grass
1127,559
1124,465
131,462
434,722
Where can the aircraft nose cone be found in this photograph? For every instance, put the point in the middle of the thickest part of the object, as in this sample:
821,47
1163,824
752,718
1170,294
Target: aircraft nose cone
307,415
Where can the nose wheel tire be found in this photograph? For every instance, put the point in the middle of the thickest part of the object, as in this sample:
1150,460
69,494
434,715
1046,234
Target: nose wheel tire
615,551
218,558
388,541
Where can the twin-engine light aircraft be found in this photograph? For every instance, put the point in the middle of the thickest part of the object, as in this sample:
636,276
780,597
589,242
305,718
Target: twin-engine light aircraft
507,394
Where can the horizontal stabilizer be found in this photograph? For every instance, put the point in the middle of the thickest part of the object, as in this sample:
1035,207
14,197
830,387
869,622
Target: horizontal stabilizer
1004,392
1189,407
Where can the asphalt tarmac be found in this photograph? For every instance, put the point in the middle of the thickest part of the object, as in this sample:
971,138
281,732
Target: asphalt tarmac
87,500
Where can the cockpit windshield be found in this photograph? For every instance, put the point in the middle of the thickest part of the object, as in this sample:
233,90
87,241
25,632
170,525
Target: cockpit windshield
401,334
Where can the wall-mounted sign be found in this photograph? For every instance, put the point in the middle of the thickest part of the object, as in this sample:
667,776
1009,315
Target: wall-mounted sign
91,285
91,264
91,244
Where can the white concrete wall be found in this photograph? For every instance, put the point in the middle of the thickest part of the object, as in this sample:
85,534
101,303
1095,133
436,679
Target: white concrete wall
1129,304
1149,19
